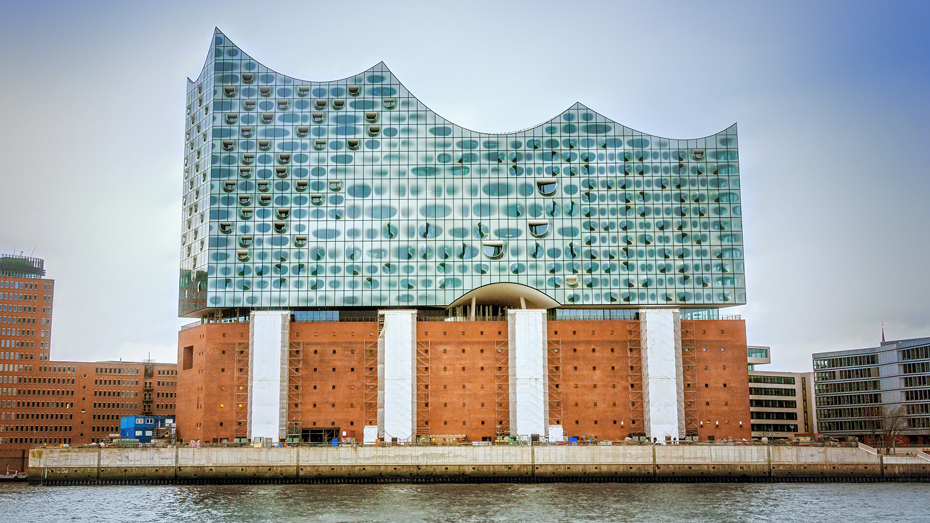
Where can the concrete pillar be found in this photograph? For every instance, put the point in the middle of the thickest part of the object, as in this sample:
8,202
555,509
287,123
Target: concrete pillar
529,377
397,412
269,337
663,393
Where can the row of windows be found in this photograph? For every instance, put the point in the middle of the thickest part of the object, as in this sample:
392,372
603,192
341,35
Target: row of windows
851,386
116,383
13,404
774,404
36,416
769,391
167,383
34,441
12,344
117,370
15,332
35,428
916,368
920,408
916,381
23,285
120,406
916,353
918,423
14,296
57,369
847,374
116,393
773,427
780,380
775,415
166,372
917,395
36,392
846,361
164,406
850,412
166,394
848,399
846,426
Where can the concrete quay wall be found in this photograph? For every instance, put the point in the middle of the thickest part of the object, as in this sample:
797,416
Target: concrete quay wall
365,464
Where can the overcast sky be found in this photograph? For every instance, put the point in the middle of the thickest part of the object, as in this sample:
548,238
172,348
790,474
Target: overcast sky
832,101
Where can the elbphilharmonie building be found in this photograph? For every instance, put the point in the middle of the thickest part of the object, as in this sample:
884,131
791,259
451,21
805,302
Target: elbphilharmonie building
315,201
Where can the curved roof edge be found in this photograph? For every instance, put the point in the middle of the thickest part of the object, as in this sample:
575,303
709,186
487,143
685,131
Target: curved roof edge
575,106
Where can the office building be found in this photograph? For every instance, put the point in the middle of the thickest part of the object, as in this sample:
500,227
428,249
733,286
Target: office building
345,227
875,393
47,402
780,403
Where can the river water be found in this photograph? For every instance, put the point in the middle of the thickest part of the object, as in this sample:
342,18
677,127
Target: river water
751,502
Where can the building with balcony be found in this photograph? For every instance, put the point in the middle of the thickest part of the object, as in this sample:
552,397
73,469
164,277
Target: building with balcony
355,260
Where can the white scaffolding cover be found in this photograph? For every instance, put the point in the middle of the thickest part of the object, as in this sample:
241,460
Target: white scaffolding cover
396,375
661,374
269,333
529,404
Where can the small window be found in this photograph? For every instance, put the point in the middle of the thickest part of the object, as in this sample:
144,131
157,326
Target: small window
245,213
280,227
320,104
264,199
316,199
245,172
264,144
317,117
284,158
371,116
282,213
373,130
248,158
265,90
232,118
248,105
388,103
338,103
242,255
245,241
300,241
493,250
335,185
547,186
229,91
245,200
539,228
248,77
283,104
352,143
229,186
302,185
303,90
267,117
263,185
571,280
229,145
302,130
226,227
281,171
246,131
319,145
355,90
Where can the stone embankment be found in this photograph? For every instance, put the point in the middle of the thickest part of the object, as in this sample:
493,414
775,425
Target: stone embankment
402,464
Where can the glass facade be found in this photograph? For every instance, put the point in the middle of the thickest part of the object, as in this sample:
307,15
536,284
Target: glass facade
352,193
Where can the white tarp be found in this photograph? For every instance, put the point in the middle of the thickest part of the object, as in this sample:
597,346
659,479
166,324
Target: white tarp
556,433
268,342
397,348
370,434
529,401
661,370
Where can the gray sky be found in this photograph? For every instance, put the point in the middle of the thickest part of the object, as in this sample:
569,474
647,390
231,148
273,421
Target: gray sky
831,99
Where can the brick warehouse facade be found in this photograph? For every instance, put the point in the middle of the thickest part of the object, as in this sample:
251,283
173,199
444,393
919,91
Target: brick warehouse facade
48,402
594,387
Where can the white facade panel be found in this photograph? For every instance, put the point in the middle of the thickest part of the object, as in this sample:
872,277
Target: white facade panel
529,401
397,348
269,333
661,348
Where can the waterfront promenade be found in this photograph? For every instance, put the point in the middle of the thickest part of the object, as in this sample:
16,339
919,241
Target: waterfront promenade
415,464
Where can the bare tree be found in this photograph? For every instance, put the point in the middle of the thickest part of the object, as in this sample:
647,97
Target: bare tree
893,422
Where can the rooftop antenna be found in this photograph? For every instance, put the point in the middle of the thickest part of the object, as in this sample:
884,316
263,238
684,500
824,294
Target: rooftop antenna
33,251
